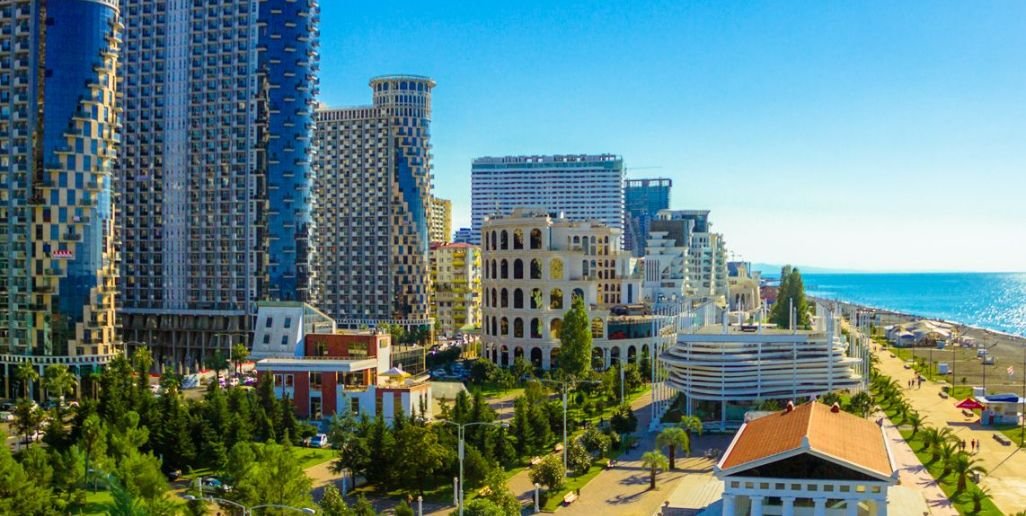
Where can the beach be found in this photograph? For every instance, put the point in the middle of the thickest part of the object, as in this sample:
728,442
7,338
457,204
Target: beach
1007,349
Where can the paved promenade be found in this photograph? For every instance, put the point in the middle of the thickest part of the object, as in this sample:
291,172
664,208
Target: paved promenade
914,475
1006,465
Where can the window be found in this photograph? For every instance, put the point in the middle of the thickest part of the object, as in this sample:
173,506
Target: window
536,269
518,238
267,339
288,322
556,299
354,406
518,328
269,323
289,380
556,269
284,340
315,380
536,239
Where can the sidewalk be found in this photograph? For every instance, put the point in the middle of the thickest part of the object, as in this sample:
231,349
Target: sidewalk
913,474
1006,465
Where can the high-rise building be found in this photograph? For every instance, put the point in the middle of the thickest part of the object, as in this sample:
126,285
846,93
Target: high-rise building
684,259
462,236
373,171
58,140
456,286
643,199
582,187
441,220
214,174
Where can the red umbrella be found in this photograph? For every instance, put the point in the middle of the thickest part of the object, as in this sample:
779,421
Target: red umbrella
970,404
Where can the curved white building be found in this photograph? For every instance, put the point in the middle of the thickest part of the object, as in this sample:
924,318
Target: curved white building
724,371
534,264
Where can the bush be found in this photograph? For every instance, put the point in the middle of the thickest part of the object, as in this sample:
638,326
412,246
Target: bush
549,472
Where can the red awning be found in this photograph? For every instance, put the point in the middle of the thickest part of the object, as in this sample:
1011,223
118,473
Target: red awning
970,404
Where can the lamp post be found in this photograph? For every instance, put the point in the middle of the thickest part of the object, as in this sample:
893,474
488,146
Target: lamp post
249,510
565,384
461,433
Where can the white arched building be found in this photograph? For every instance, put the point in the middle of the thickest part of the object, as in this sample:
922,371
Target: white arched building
533,263
726,370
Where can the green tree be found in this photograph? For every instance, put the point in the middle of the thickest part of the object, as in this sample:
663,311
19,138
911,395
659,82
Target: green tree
362,507
522,430
691,424
963,465
915,421
623,421
549,472
26,374
575,341
332,503
403,509
861,403
417,457
483,507
673,438
58,380
522,368
27,418
595,441
218,362
577,457
654,461
498,493
276,477
123,502
239,355
791,292
977,496
37,465
18,493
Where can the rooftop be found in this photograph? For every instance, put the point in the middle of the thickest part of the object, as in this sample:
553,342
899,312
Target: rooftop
814,428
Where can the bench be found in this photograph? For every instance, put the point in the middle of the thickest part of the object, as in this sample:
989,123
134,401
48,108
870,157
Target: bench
942,394
535,461
570,498
968,413
1002,438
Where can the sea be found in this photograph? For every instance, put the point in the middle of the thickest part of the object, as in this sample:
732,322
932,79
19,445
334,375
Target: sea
993,301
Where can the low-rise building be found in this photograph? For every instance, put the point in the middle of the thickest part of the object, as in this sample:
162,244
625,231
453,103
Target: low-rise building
326,372
535,263
456,282
727,370
807,460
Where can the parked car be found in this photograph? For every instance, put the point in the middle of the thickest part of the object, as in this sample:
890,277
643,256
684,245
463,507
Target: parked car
212,484
6,417
319,441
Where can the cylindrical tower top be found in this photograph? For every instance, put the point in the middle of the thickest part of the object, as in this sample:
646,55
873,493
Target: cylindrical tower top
412,92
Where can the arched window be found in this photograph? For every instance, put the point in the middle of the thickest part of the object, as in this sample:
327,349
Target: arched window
518,328
577,293
554,328
518,269
518,238
503,326
493,241
518,298
504,269
556,299
536,240
504,298
495,270
495,298
536,299
584,268
536,328
556,269
495,327
536,270
598,329
504,240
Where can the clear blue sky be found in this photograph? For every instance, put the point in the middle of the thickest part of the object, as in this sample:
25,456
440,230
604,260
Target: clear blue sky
862,135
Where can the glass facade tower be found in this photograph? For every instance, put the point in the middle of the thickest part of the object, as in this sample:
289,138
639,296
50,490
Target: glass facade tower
643,198
58,139
214,171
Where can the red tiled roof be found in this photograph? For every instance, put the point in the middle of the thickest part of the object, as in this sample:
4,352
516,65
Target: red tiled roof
843,436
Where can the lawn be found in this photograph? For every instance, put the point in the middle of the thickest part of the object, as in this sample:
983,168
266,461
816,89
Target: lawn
491,390
313,456
95,503
555,498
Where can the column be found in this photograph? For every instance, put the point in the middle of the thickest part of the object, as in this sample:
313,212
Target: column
878,507
820,509
852,507
728,505
756,504
788,505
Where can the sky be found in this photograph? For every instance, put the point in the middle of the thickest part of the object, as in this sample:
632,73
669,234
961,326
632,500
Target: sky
875,136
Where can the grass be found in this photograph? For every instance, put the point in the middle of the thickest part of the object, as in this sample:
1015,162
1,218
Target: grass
1013,432
949,484
95,503
313,456
491,390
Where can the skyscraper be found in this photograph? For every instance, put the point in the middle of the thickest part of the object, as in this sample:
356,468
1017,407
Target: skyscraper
643,198
582,187
58,139
214,171
441,220
373,170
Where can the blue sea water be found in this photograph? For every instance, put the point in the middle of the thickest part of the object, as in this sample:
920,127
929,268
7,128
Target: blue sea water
995,301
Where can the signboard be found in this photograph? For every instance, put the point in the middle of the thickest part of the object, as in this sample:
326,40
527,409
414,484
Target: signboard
62,254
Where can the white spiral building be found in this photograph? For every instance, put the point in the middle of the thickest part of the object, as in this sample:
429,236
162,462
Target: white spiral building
725,370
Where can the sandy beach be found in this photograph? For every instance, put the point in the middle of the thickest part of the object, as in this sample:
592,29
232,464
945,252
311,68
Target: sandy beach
1008,350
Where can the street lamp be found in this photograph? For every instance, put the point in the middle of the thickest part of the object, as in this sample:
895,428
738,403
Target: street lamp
565,387
249,510
461,432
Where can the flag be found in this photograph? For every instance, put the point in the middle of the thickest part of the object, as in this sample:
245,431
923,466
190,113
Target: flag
1011,371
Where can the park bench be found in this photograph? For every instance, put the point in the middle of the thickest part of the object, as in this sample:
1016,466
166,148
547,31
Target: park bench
570,498
1001,438
942,394
968,413
535,461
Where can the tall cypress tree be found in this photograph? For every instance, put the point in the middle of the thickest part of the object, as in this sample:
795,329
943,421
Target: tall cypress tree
791,292
575,341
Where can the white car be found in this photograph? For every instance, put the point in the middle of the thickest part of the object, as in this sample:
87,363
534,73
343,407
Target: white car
319,441
6,417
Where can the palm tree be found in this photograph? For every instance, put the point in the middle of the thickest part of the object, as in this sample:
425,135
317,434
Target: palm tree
26,374
654,461
673,438
691,424
239,355
915,421
947,452
861,403
928,437
58,380
963,465
978,495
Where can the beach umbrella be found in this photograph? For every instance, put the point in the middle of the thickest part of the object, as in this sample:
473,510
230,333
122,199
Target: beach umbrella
970,404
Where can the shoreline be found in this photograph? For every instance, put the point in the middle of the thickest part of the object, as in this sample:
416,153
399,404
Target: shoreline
918,317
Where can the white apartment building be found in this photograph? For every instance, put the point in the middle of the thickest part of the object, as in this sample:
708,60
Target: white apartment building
692,260
583,187
726,370
456,286
534,264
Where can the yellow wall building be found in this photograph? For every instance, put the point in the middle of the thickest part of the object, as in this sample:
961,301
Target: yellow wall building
441,220
456,277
